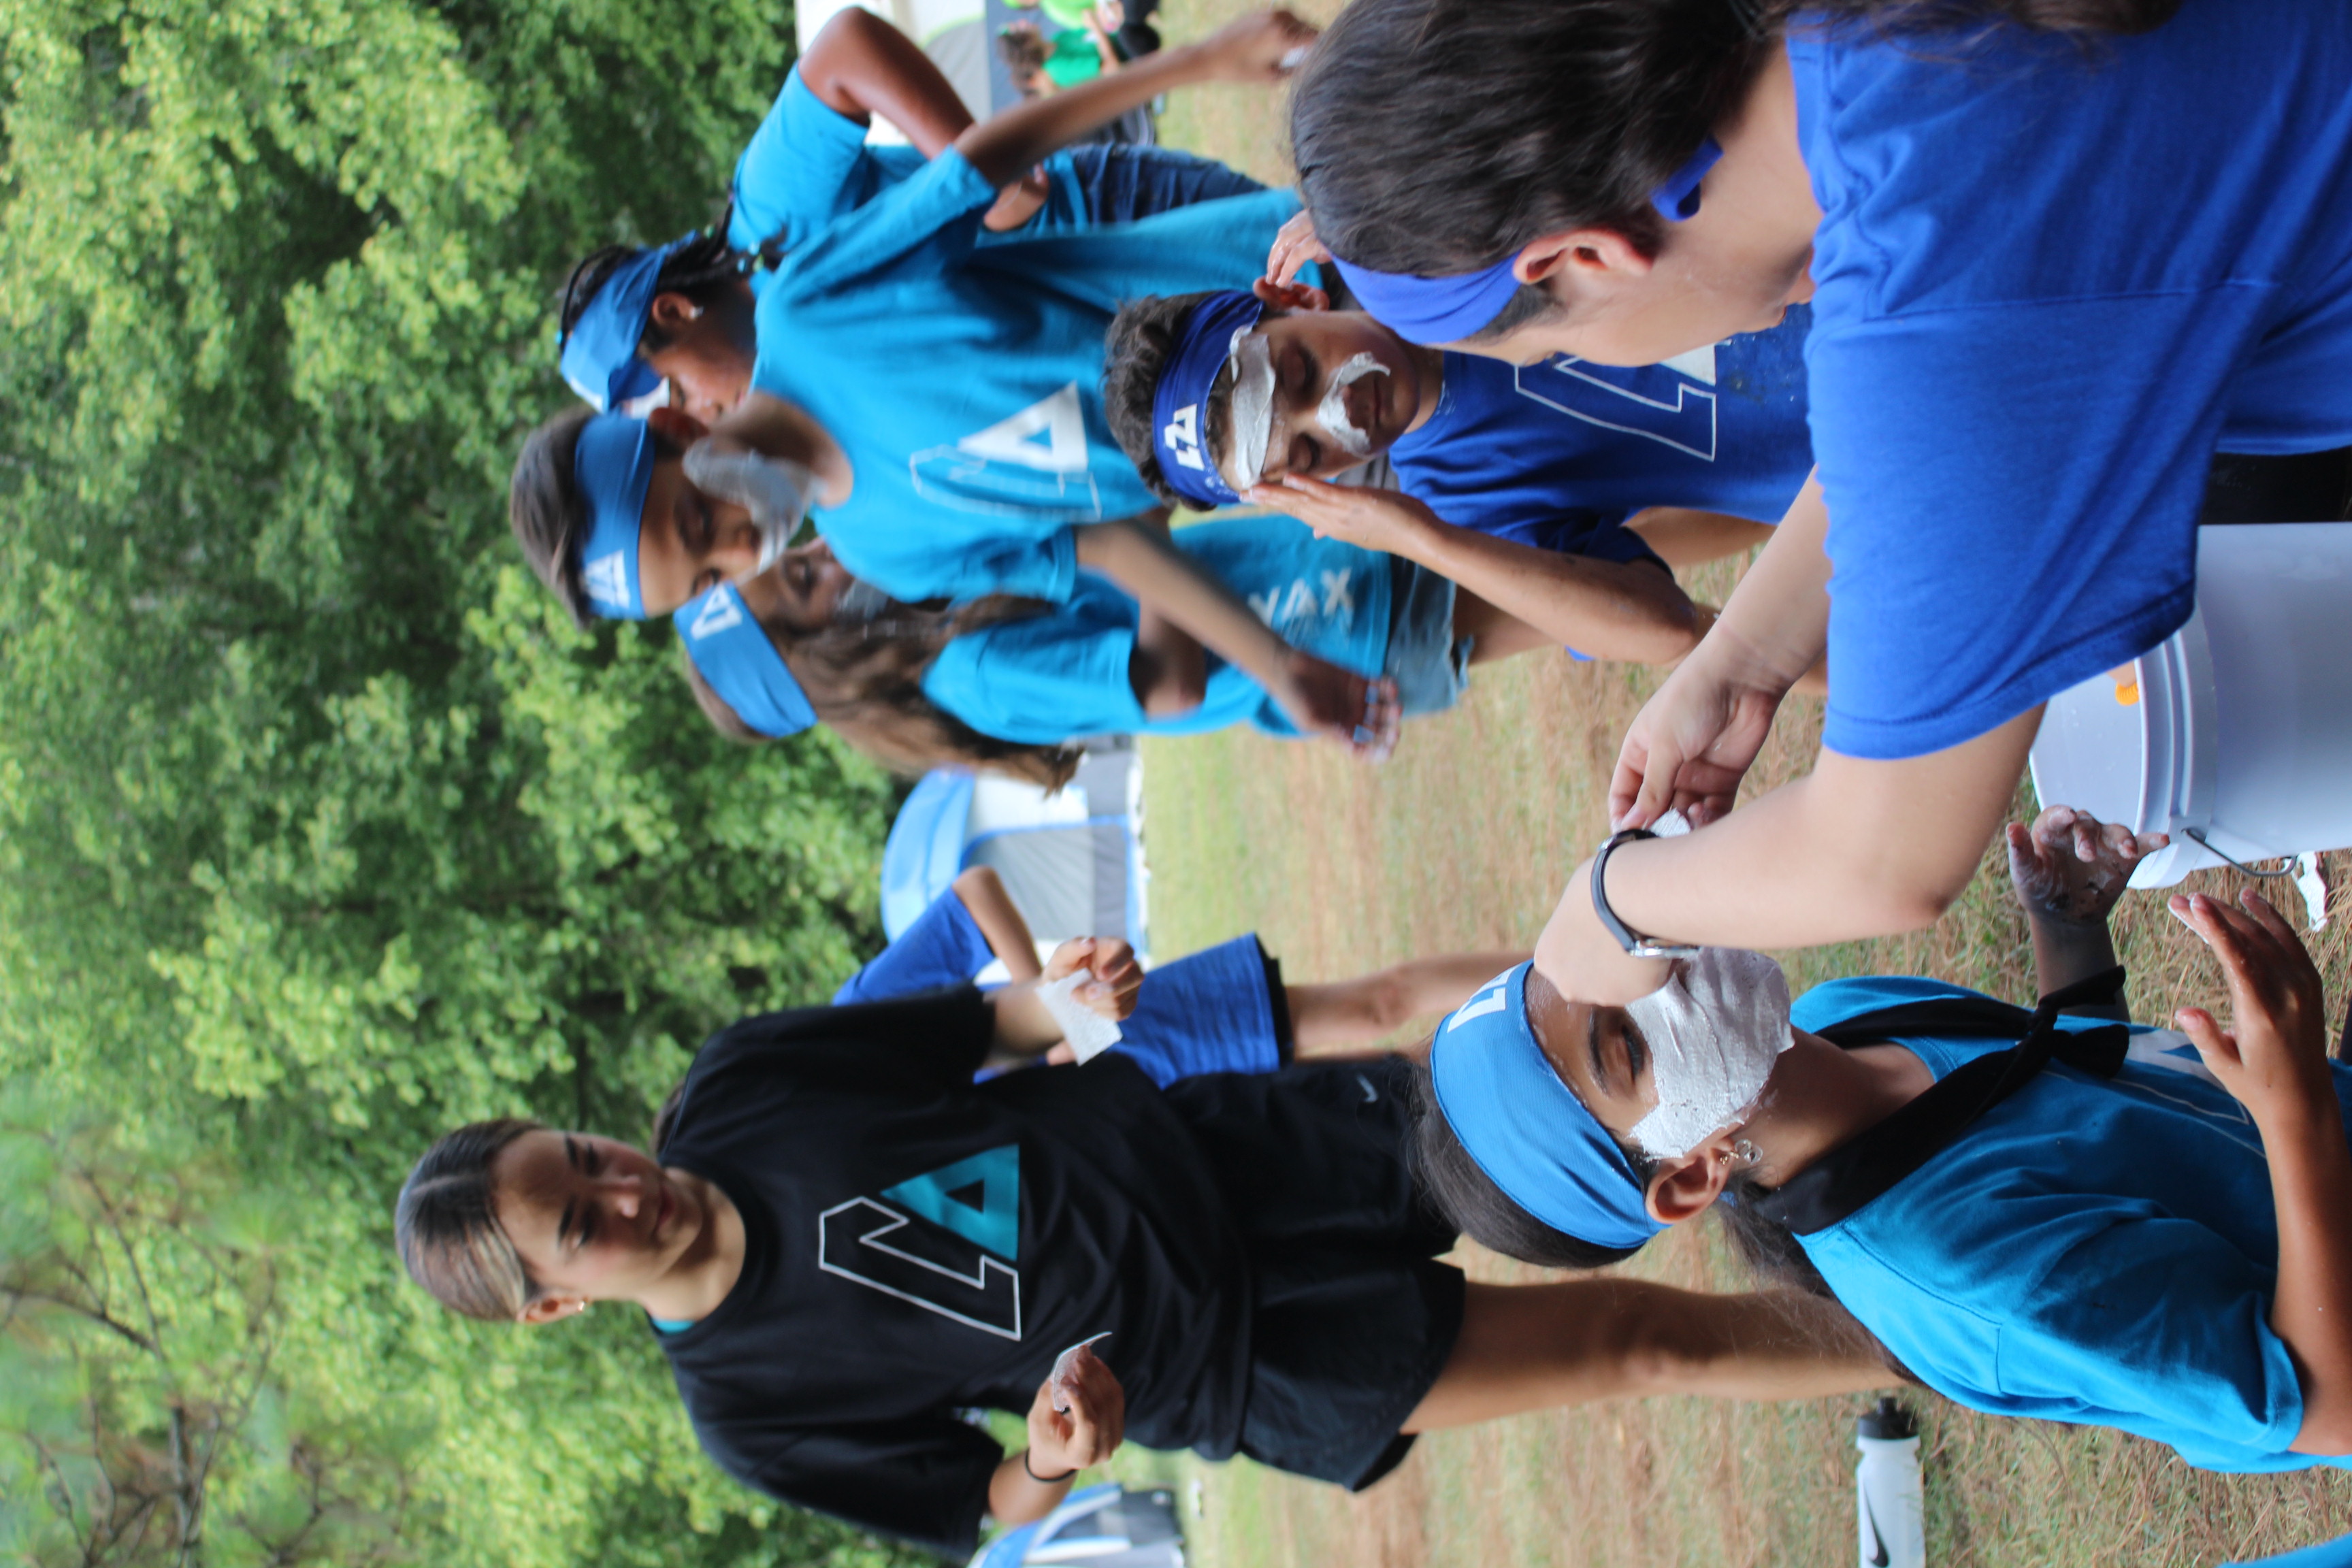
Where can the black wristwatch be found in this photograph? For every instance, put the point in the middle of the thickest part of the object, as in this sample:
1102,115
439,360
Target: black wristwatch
1632,940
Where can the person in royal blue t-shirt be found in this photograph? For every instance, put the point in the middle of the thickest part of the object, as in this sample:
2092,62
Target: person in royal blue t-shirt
2059,253
636,318
1225,1008
1687,460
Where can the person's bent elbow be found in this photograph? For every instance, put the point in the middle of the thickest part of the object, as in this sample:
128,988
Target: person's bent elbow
2327,1432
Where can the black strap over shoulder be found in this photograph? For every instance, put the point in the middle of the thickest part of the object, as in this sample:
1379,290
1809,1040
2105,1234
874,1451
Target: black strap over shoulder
1865,1166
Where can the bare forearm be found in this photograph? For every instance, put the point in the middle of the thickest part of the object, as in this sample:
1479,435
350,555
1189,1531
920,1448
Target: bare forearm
1171,585
2067,951
1777,621
1023,1027
2310,1184
1003,145
1002,925
1855,850
859,64
1169,669
776,428
1607,609
1014,1498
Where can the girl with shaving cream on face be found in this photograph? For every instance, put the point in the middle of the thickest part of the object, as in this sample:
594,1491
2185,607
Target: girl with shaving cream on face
2047,1213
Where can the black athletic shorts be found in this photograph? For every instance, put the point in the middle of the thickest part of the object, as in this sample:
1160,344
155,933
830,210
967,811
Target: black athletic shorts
1352,1317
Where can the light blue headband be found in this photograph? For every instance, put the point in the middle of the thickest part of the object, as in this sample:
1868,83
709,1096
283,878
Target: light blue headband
599,355
734,653
1450,308
1526,1129
613,465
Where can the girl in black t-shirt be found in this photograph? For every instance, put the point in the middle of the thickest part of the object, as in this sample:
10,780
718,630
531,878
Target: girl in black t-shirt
844,1240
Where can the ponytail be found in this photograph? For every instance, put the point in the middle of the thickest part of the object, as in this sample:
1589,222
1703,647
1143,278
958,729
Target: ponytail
446,1224
865,678
699,269
1434,136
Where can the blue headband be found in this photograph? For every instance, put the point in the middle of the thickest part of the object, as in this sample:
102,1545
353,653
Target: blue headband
1179,403
1448,310
600,353
735,655
1526,1129
614,464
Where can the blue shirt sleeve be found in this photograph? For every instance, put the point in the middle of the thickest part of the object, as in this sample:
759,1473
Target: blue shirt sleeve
928,222
1996,534
1035,567
1041,680
943,947
806,165
2043,294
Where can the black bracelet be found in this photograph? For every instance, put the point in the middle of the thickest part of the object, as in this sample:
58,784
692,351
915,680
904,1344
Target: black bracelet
1632,940
1045,1480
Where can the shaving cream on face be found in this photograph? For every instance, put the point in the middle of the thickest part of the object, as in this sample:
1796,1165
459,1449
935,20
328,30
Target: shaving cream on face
1332,412
1250,362
1713,1032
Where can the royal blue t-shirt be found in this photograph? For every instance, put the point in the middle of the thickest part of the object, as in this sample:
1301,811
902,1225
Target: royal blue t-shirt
1558,454
2051,280
945,946
964,383
1207,1011
808,165
2098,1252
1065,673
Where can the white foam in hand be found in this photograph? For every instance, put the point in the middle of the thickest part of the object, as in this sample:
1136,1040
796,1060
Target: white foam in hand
1089,1033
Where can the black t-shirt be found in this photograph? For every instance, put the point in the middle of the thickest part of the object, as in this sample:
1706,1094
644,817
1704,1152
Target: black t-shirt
915,1243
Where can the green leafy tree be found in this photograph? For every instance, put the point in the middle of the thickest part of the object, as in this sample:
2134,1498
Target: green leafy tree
321,829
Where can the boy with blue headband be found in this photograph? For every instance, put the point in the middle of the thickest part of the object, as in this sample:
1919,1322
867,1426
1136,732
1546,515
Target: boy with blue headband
2046,1214
1262,395
633,317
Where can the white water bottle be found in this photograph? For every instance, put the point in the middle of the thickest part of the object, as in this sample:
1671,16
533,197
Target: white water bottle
1888,1515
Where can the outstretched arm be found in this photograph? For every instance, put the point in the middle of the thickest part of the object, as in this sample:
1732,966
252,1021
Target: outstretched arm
1607,609
1251,49
1858,847
860,66
981,892
2274,1059
1691,743
1321,698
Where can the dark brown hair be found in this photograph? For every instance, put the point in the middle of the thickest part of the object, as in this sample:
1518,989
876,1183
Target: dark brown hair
1141,340
446,1224
1433,136
865,678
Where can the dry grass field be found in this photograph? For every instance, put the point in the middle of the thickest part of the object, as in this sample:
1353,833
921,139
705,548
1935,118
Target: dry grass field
1463,841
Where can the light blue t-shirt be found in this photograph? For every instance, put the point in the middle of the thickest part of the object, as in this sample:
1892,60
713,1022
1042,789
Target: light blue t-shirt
1063,674
964,383
2051,279
808,165
2097,1252
1558,454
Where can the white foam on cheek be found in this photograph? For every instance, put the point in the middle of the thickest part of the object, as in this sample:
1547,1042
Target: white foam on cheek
1713,1032
1252,364
1332,412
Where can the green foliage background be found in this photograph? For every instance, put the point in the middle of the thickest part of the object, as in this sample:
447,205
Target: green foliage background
321,829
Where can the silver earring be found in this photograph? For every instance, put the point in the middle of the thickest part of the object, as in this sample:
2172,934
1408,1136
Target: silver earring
1747,1152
